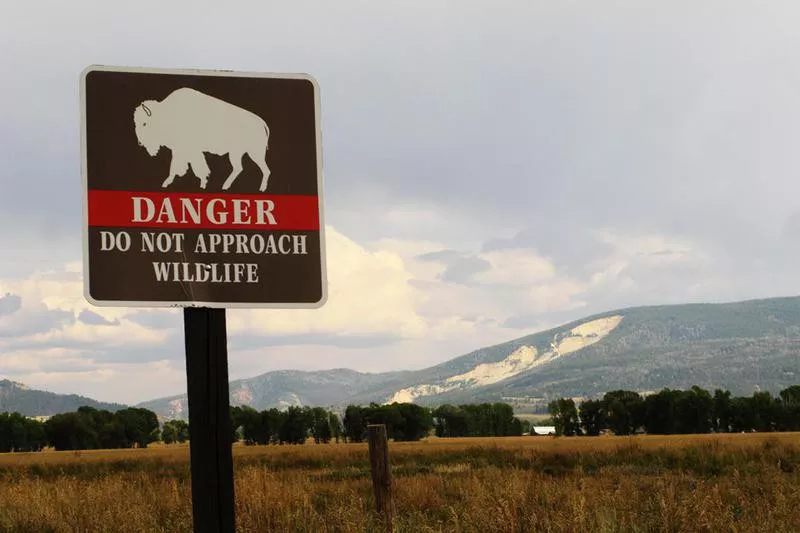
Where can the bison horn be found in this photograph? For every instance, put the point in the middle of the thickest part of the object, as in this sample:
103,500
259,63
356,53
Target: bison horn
147,110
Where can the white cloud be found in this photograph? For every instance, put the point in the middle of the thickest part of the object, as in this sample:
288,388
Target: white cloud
368,294
517,267
557,296
128,383
381,292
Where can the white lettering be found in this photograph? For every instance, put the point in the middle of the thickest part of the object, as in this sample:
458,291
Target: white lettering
137,209
148,244
227,242
264,209
280,244
186,205
200,246
239,271
210,214
213,242
270,244
202,272
252,273
257,244
206,272
198,211
162,271
110,241
106,241
241,244
166,210
299,244
240,208
245,243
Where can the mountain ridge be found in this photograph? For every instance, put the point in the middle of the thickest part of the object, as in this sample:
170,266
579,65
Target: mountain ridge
739,346
650,347
15,396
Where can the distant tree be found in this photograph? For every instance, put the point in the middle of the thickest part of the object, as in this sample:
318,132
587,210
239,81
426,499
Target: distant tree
659,411
19,433
388,415
503,421
722,411
766,411
295,426
273,420
236,433
175,431
355,424
694,411
790,412
565,416
624,411
250,425
320,425
36,436
518,427
140,425
336,426
169,434
6,444
415,422
790,395
591,417
451,421
743,416
71,431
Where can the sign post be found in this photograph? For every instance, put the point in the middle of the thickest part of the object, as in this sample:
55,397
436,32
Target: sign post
203,191
209,420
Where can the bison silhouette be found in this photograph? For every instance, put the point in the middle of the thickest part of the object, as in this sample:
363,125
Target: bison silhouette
191,123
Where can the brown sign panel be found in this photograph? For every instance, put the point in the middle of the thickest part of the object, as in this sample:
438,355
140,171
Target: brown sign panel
202,188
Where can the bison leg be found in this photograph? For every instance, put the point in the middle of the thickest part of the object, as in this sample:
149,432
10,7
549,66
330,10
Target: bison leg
236,163
201,170
262,164
178,167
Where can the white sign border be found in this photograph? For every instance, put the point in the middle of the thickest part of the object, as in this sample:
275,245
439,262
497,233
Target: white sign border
187,304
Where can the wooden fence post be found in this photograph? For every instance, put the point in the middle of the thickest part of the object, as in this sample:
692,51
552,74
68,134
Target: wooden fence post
381,473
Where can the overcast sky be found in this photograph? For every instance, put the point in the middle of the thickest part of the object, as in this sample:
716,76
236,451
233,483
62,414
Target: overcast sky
490,169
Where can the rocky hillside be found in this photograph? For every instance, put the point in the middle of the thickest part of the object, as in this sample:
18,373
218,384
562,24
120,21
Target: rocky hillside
283,388
737,346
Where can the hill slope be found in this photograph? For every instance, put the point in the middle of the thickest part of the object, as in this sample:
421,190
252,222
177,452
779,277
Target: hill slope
282,388
31,402
735,346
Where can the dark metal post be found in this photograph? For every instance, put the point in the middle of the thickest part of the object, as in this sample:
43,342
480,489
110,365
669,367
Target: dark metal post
209,420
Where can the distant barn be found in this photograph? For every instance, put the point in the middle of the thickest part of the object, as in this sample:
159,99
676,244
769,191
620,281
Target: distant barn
543,430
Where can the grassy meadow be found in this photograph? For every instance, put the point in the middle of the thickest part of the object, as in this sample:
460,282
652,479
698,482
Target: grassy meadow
727,482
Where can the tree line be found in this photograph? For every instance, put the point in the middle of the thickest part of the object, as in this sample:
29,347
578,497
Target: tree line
90,428
675,411
621,412
292,426
85,429
478,420
404,422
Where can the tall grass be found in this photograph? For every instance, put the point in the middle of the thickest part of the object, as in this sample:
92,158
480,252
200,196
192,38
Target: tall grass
643,483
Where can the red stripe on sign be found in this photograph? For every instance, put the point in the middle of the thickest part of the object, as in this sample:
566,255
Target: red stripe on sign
131,209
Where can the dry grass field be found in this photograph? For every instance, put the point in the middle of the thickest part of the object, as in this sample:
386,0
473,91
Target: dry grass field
646,483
